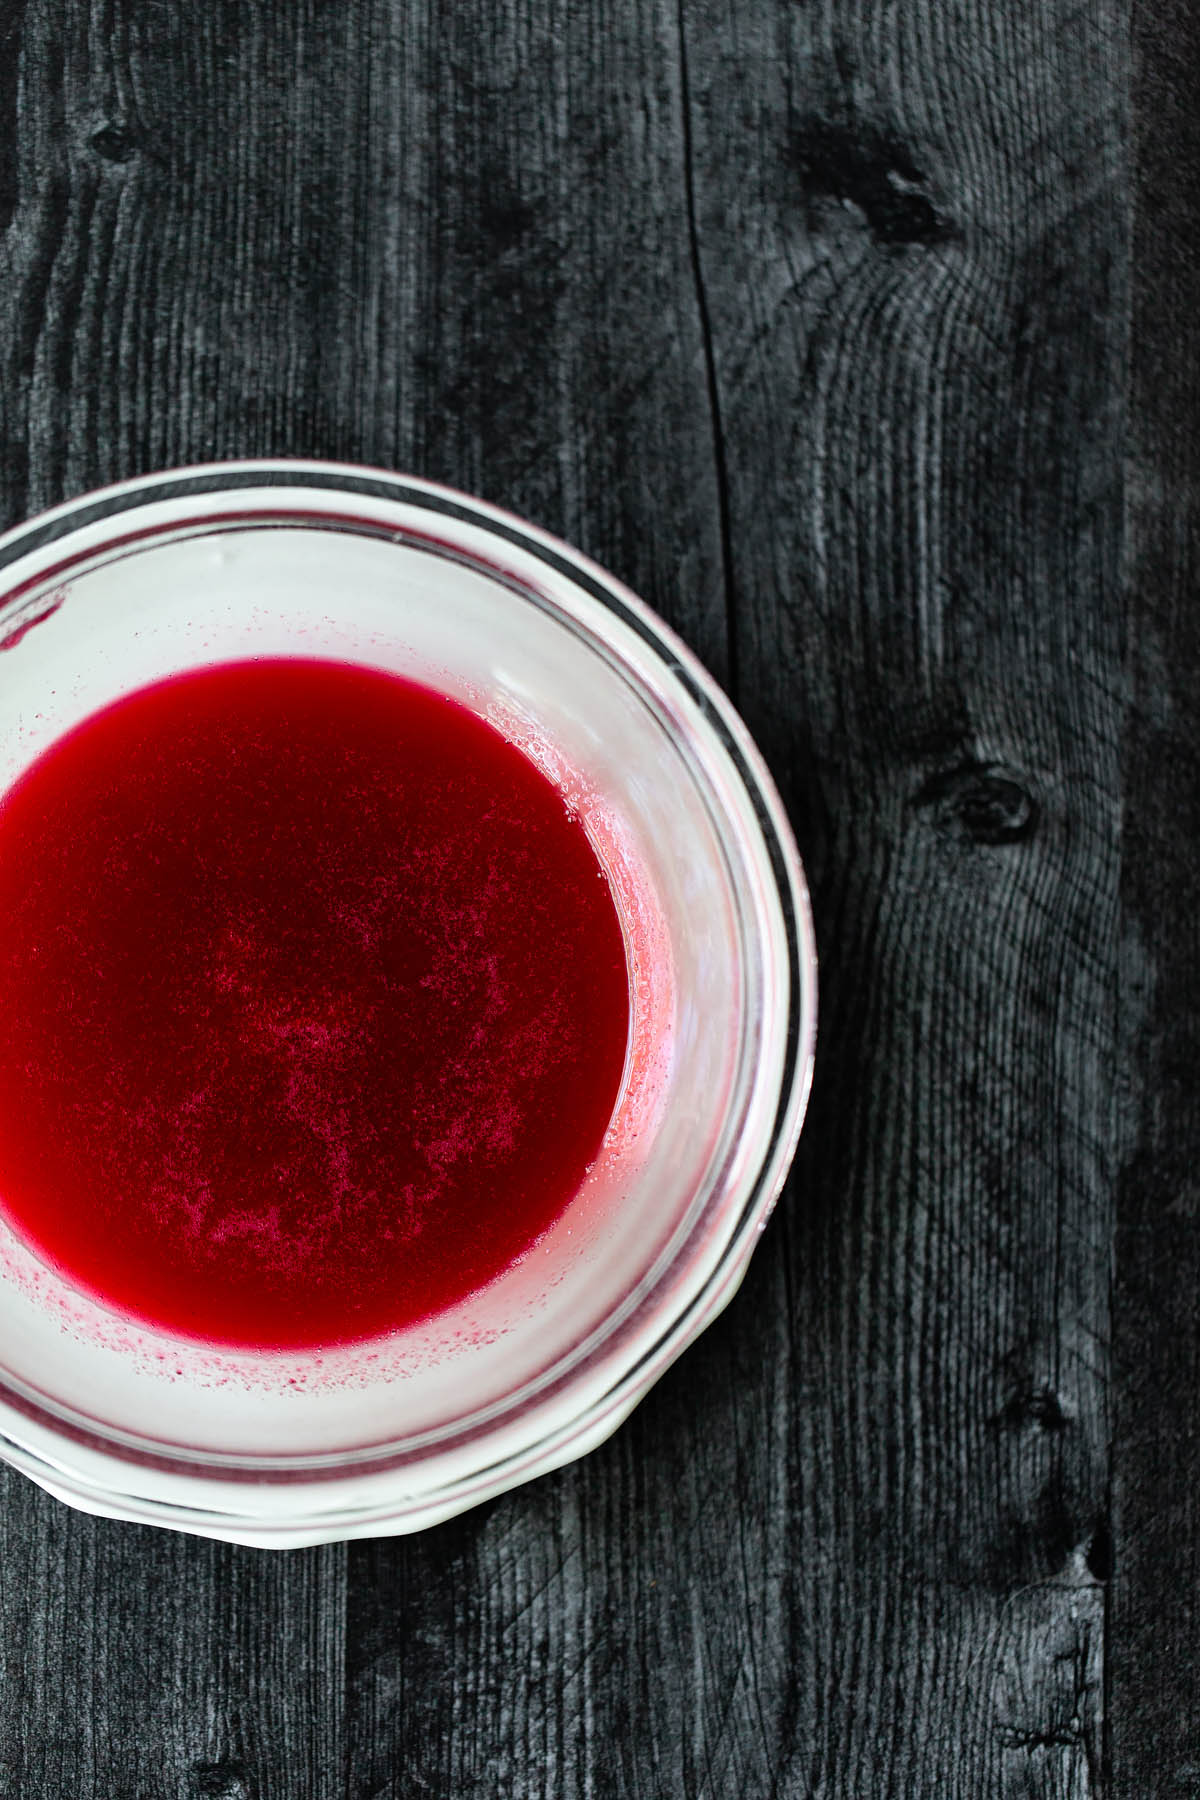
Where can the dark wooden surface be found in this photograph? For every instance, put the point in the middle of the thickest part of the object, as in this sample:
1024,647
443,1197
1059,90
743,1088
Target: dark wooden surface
861,339
1155,1635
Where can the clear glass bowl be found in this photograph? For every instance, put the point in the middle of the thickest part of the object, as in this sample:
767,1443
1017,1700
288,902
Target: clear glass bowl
173,571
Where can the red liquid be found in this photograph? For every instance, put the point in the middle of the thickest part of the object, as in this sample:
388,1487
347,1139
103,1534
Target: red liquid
313,1004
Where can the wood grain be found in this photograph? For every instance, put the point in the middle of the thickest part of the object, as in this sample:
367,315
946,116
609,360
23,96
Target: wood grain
141,1664
909,227
1156,1720
553,1645
809,323
155,307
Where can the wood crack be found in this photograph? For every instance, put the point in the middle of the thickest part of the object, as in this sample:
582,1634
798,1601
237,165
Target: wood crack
712,383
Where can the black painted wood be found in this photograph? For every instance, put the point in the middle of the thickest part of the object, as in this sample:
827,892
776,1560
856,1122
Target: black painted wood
920,371
810,322
1156,1595
137,1663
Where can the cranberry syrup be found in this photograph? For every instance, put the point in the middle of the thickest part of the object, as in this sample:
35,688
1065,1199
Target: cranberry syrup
313,1004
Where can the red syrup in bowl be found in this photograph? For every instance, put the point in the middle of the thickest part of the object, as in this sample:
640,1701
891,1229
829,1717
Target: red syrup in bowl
313,1004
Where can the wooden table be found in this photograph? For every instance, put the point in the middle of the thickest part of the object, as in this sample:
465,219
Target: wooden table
861,339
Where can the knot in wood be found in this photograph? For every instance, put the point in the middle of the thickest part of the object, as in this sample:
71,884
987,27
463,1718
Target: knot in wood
506,221
871,170
1100,1552
226,1780
114,142
1042,1409
992,806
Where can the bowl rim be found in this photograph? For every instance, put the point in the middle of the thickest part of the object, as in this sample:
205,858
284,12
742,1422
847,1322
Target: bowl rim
30,1434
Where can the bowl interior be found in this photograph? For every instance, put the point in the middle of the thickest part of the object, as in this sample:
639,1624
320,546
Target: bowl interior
109,610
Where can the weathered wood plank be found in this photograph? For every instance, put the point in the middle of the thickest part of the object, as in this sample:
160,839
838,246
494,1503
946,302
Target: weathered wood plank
155,307
1156,1597
138,1663
517,312
557,1644
244,233
910,234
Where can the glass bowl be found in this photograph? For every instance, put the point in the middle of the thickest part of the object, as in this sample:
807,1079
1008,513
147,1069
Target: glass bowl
238,560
